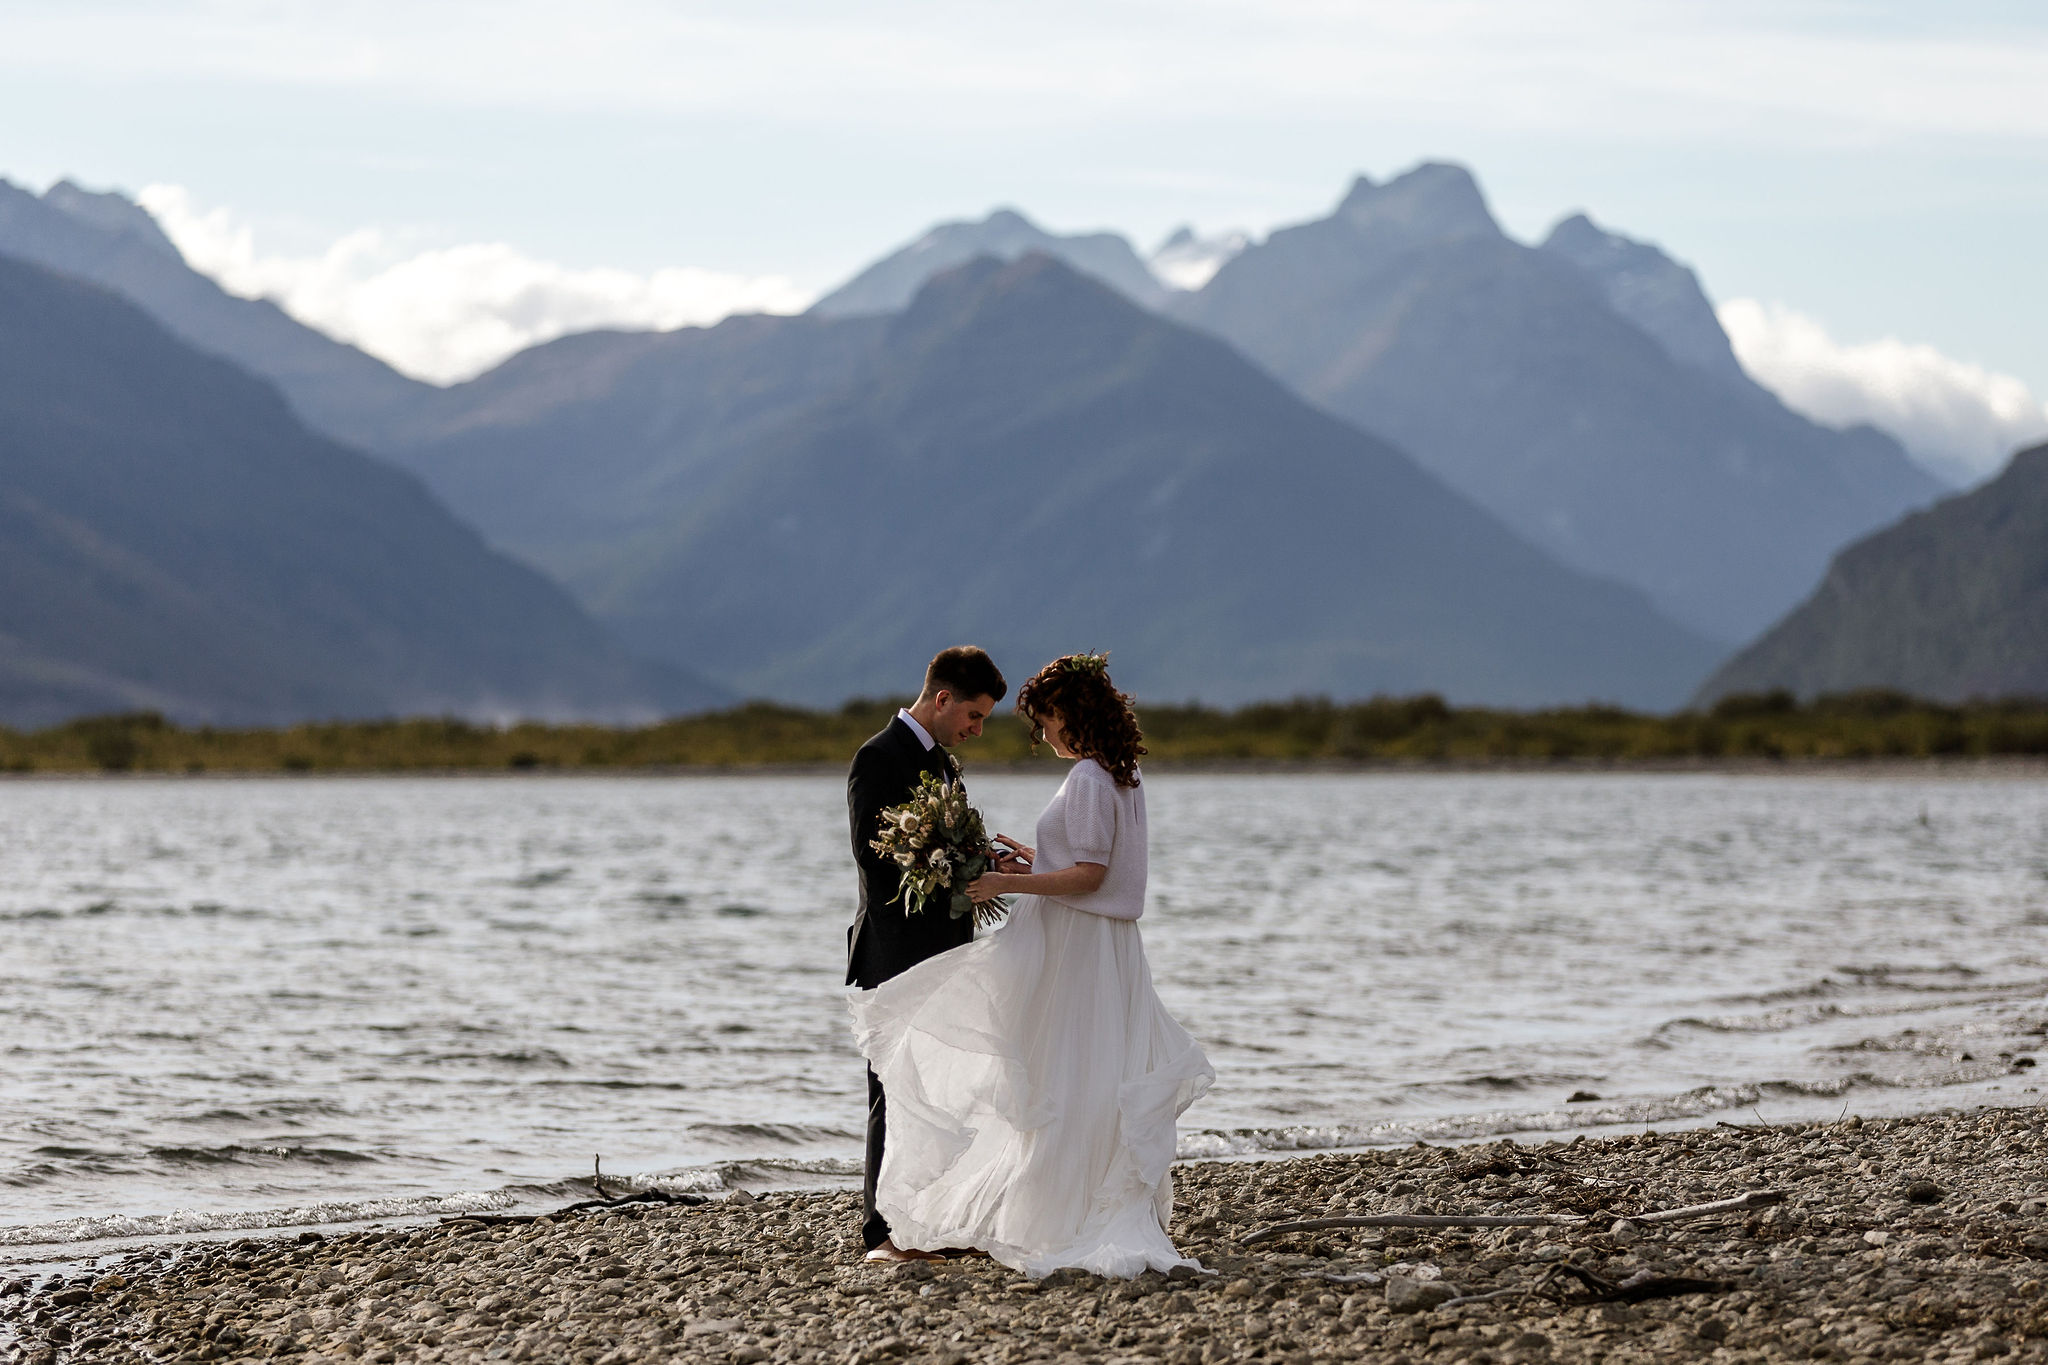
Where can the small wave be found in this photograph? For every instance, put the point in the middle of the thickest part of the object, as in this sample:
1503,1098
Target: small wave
541,1056
1691,1104
780,1134
1800,1016
71,1231
241,1154
546,876
1771,1021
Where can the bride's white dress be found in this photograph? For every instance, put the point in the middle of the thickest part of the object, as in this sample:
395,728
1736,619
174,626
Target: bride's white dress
1033,1076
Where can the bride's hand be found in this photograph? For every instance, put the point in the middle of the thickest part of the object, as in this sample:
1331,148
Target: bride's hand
1018,861
988,886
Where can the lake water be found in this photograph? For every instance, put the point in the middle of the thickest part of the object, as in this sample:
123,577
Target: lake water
274,1002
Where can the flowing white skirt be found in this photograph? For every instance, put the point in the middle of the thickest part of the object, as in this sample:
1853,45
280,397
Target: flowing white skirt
1032,1080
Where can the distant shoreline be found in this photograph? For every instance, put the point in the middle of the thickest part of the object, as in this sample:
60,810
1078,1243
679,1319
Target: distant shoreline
1386,734
2017,766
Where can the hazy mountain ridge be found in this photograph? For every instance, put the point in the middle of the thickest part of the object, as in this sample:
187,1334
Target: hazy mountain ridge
111,241
572,453
1654,292
889,284
1949,604
1512,373
1024,458
174,539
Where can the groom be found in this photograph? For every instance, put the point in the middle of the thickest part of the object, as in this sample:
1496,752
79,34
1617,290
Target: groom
961,689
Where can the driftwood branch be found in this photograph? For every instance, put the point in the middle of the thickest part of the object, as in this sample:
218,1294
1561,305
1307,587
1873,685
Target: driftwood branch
643,1197
1418,1220
1484,1298
1643,1285
1754,1199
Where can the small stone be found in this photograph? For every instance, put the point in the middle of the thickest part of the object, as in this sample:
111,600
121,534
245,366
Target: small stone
1406,1295
1924,1192
1713,1329
1582,1097
1236,1289
1531,1341
1257,1329
107,1284
711,1327
747,1355
1623,1230
1877,1237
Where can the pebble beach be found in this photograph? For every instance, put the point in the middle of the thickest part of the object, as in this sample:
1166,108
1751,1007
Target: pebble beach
1921,1238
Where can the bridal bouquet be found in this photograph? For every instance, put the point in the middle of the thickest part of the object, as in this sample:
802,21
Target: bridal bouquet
942,846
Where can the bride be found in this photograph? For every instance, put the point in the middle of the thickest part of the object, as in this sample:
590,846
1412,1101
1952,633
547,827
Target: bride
1033,1075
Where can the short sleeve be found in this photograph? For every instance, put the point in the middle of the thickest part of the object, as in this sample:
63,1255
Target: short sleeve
1091,815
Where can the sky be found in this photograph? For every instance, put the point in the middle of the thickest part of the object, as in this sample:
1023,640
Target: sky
1863,187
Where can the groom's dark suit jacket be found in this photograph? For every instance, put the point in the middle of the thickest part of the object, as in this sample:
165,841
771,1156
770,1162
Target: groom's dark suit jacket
885,939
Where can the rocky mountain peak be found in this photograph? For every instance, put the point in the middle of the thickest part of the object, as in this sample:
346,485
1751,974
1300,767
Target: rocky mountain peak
112,213
1435,202
1657,294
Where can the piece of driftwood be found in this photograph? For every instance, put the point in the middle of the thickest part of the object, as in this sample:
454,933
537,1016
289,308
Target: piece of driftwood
1637,1288
1417,1220
1754,1199
1361,1277
1488,1297
644,1197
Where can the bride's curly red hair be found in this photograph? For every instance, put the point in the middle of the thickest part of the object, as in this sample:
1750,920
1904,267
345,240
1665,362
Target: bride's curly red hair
1098,719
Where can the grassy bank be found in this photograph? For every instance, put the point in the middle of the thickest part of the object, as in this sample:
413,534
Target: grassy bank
1866,725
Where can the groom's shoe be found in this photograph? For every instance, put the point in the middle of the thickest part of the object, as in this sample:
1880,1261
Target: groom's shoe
889,1251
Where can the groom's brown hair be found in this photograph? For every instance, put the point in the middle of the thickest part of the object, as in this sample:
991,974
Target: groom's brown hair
965,671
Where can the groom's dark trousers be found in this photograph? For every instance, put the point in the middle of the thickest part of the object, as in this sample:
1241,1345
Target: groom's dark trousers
884,939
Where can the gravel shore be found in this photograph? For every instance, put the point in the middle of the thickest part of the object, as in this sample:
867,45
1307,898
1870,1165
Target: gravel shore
1922,1239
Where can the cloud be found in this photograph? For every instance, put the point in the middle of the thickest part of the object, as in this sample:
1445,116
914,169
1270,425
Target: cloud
1559,62
448,313
1185,261
1959,419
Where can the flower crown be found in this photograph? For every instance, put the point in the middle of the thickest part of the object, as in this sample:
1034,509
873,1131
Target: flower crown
1085,663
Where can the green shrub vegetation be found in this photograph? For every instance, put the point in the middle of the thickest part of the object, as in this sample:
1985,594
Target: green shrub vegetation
1857,725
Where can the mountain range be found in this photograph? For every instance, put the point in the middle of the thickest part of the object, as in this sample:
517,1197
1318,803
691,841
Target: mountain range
1577,397
1950,604
1581,390
173,539
1024,458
